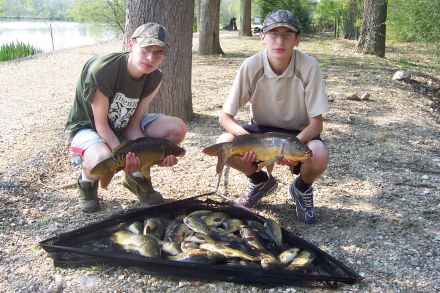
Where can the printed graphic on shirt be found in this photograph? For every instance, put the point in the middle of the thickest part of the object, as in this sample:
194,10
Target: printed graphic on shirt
121,109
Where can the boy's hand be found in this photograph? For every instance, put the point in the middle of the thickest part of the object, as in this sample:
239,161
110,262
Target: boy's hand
132,163
249,157
169,161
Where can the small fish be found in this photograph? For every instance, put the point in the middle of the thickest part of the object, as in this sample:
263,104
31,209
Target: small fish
199,213
170,230
199,256
302,261
268,147
215,219
171,248
199,238
228,251
251,237
223,236
150,151
273,229
186,245
153,226
143,244
135,227
232,225
258,228
268,261
182,231
288,255
196,224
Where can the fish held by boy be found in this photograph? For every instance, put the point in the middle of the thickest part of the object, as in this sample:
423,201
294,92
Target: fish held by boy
268,148
150,151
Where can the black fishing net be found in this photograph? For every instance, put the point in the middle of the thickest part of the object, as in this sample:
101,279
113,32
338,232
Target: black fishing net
92,245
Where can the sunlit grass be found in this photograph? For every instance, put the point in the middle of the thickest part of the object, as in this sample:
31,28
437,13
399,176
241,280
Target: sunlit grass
15,50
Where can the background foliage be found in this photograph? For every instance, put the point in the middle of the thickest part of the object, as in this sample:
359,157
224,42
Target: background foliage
414,20
408,20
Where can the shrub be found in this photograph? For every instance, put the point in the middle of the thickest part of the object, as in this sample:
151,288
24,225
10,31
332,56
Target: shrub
15,50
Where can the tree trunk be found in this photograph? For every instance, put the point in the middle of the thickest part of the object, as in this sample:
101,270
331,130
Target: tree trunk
198,14
372,38
174,97
350,18
209,40
245,18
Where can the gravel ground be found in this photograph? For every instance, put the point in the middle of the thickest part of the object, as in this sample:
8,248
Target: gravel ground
378,203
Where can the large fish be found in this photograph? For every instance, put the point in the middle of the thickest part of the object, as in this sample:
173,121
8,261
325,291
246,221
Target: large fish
149,150
268,147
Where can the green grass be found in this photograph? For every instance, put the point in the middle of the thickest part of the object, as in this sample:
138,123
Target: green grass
15,50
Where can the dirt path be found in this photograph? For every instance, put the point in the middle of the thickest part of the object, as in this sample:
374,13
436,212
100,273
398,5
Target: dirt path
378,202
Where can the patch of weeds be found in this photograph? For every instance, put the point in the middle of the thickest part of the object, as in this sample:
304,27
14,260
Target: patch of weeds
403,63
407,224
37,248
97,268
47,221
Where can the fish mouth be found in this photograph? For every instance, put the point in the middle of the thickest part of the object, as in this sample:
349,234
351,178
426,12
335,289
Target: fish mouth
308,154
182,153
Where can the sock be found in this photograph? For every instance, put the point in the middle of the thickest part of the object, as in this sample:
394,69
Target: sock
85,178
301,185
138,175
258,177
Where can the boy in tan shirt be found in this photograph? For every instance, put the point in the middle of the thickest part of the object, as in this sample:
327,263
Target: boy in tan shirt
287,94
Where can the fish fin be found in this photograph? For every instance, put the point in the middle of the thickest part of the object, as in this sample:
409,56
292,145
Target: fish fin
270,168
268,163
121,145
145,170
104,181
214,149
218,182
221,162
104,167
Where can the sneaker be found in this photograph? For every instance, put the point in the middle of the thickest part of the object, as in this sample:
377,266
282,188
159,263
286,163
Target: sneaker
87,195
143,189
304,203
255,192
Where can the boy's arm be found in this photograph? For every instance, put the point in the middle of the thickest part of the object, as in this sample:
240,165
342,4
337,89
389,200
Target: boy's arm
100,106
229,124
133,129
312,130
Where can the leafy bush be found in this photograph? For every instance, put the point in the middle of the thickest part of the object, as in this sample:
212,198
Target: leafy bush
11,51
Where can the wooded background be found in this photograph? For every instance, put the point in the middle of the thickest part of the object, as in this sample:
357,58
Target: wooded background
370,22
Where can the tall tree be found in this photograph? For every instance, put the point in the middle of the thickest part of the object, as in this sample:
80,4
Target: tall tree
174,97
209,39
373,31
351,15
245,18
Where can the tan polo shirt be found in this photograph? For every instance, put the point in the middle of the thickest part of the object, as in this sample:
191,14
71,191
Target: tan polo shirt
284,101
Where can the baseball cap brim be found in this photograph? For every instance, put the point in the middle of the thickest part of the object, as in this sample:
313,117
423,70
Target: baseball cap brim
145,42
275,25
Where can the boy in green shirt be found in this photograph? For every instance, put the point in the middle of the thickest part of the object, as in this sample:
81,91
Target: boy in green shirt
110,106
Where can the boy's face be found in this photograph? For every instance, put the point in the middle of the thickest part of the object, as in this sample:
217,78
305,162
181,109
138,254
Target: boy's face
146,59
280,42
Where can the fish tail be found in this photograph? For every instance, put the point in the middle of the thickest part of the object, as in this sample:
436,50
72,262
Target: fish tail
104,181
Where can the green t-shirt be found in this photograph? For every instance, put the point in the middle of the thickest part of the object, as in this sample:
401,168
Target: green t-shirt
109,74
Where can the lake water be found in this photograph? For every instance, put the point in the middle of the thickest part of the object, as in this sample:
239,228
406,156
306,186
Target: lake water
37,33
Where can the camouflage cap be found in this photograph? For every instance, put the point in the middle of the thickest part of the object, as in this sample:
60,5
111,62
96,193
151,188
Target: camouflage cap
151,34
279,18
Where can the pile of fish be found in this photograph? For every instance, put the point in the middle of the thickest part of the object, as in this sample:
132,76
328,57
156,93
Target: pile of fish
213,237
